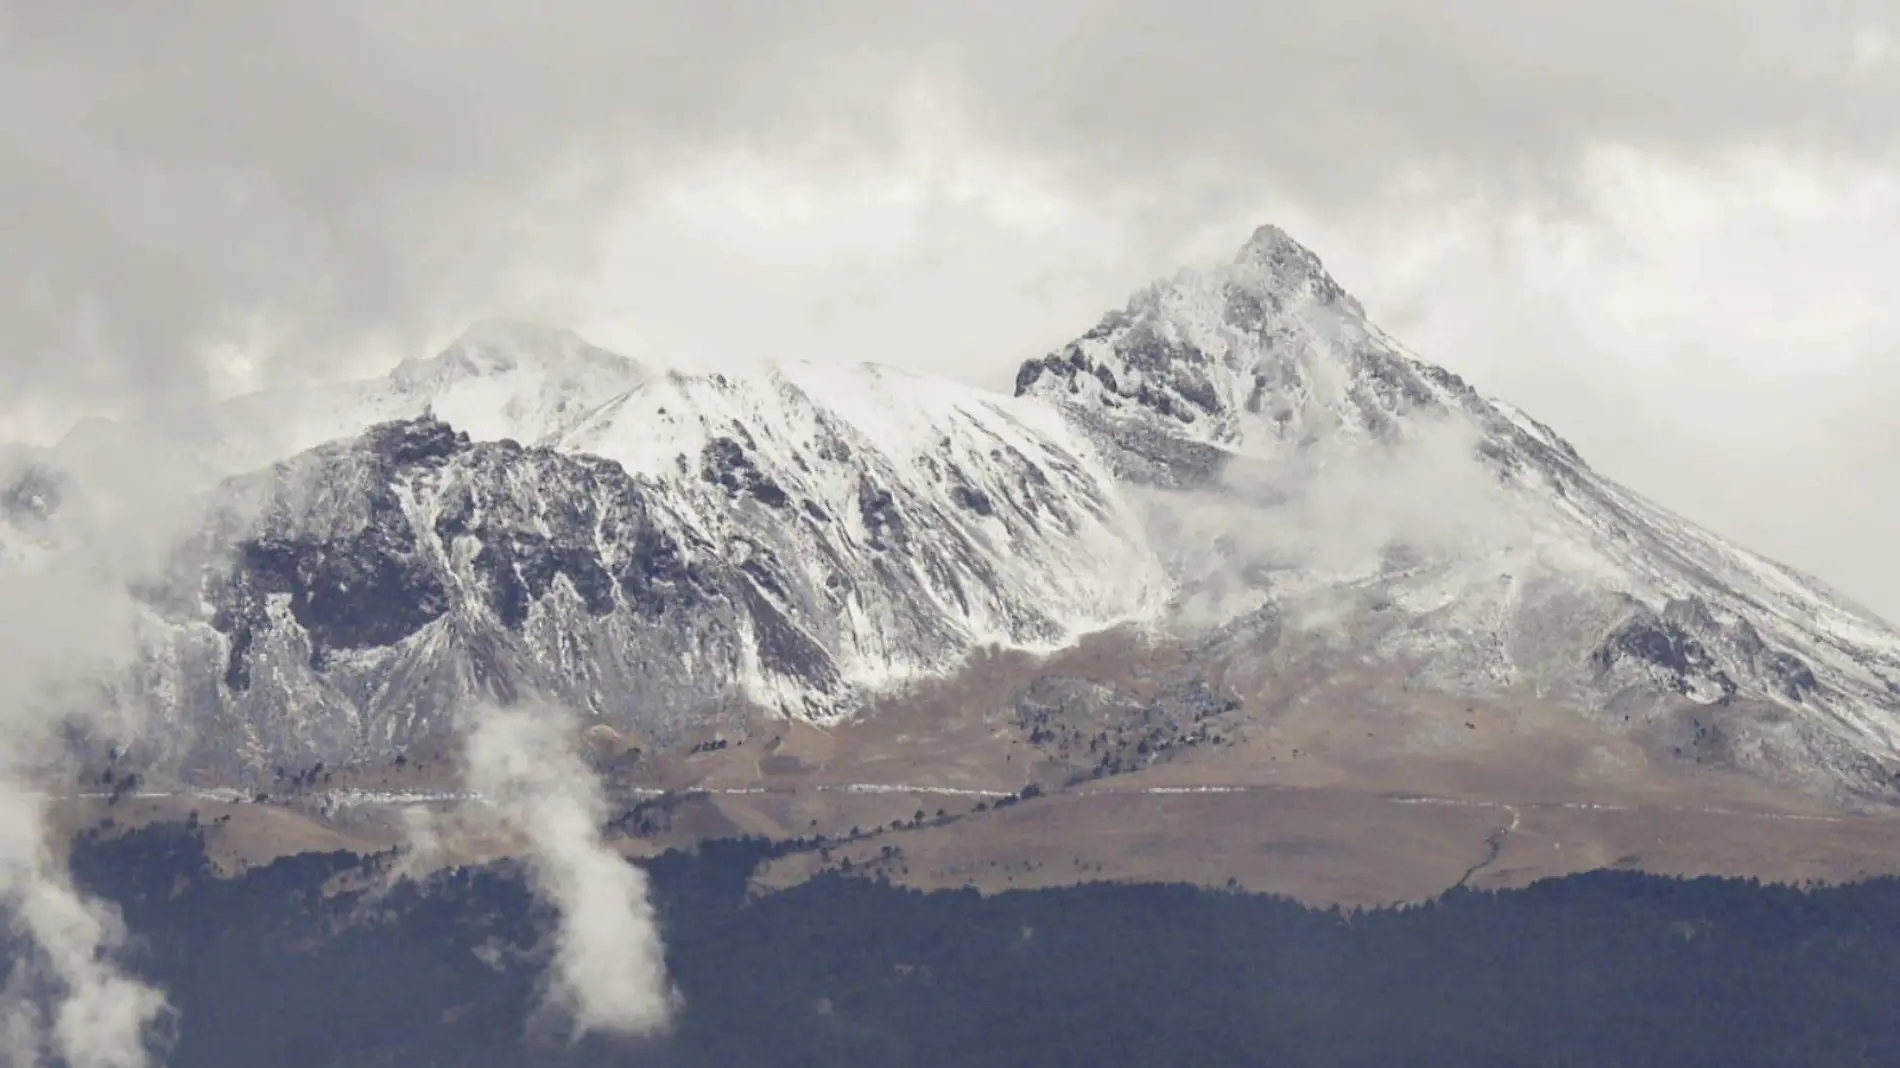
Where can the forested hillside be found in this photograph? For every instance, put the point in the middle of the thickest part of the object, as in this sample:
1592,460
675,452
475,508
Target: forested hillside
298,965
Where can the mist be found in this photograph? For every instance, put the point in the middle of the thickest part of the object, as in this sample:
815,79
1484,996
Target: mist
609,969
68,624
1334,511
99,1016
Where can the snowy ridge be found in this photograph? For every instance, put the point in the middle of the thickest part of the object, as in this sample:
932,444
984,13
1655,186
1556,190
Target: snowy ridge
921,519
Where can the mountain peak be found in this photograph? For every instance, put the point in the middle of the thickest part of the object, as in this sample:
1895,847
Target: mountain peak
1270,241
1273,260
503,332
1264,352
496,346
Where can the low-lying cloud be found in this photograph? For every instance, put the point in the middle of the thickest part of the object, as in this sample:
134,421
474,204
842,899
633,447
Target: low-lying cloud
609,969
96,1015
1339,509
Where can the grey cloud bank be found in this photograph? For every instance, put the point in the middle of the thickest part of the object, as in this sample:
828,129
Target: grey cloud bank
294,187
308,177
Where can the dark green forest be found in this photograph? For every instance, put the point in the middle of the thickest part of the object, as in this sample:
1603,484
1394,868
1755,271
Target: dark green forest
280,968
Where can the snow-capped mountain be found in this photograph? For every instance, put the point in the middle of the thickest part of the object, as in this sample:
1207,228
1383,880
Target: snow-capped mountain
1479,549
1237,458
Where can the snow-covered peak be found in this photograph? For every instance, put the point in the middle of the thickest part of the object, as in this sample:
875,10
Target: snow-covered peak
495,347
1252,356
499,380
1526,567
1272,262
504,379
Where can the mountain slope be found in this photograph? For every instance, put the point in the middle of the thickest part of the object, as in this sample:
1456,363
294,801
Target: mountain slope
740,545
915,515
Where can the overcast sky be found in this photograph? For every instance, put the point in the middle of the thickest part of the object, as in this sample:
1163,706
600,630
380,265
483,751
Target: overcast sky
1669,229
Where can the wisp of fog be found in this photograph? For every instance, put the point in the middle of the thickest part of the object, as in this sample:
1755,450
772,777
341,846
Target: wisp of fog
100,1016
1335,509
67,625
609,968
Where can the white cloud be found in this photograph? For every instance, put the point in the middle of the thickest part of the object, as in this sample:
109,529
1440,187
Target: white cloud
1332,509
609,969
100,1017
63,628
1872,49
